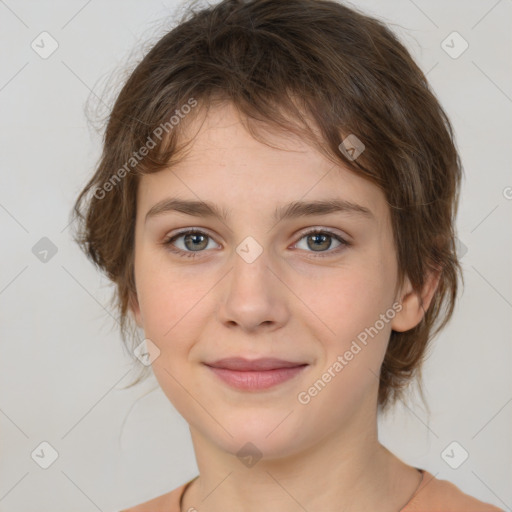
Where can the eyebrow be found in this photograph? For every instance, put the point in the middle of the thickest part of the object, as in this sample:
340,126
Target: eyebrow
292,210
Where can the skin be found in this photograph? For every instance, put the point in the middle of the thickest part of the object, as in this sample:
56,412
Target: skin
289,303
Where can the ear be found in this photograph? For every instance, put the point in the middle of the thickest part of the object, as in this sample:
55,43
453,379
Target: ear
415,303
135,309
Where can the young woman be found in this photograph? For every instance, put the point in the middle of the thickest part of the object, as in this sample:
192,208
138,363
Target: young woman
276,203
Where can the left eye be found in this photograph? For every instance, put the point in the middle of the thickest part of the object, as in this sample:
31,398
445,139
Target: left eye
321,240
195,241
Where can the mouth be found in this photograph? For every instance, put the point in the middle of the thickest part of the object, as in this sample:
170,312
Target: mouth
256,374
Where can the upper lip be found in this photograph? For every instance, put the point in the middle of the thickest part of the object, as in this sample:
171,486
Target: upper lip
241,364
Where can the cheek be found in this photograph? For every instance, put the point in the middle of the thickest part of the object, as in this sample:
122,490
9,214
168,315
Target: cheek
351,326
169,305
349,299
357,309
167,294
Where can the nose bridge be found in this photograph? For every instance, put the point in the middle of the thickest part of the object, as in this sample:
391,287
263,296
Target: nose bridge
250,269
252,294
249,250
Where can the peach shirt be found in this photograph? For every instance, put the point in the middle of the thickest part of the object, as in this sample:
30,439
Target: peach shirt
432,495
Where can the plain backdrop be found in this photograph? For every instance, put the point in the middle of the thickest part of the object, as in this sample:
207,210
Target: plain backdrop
62,364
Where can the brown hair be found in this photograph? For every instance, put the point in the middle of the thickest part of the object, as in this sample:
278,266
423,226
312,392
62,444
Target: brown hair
285,63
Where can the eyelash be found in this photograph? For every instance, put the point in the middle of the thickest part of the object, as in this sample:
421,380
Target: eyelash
193,254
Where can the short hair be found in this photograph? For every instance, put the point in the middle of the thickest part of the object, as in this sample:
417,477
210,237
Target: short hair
316,68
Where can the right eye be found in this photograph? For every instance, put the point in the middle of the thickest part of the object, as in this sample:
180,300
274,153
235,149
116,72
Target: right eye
194,241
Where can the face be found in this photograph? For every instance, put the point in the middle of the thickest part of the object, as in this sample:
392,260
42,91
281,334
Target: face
316,290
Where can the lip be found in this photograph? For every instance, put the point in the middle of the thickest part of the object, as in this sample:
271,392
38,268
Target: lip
255,374
246,365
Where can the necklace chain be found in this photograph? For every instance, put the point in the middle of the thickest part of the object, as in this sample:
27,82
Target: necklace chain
400,510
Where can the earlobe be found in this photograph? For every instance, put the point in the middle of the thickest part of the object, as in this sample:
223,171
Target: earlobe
415,304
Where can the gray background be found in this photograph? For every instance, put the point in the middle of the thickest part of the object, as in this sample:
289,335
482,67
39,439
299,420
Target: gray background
62,364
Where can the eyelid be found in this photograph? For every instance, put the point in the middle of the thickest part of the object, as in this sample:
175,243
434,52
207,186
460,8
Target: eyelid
185,231
324,229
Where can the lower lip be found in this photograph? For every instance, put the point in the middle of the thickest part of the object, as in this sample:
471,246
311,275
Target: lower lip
256,380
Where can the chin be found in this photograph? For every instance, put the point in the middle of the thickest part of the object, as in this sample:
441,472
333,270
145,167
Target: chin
261,434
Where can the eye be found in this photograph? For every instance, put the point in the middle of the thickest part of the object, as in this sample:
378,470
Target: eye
320,240
194,241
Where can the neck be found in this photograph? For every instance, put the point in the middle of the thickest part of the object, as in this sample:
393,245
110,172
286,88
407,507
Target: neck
348,467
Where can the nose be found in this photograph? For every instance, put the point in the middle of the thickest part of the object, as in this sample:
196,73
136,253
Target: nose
253,296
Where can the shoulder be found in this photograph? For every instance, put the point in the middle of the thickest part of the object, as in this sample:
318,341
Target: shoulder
169,502
435,495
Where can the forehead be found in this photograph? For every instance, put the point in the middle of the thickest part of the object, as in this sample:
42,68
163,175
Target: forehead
227,164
